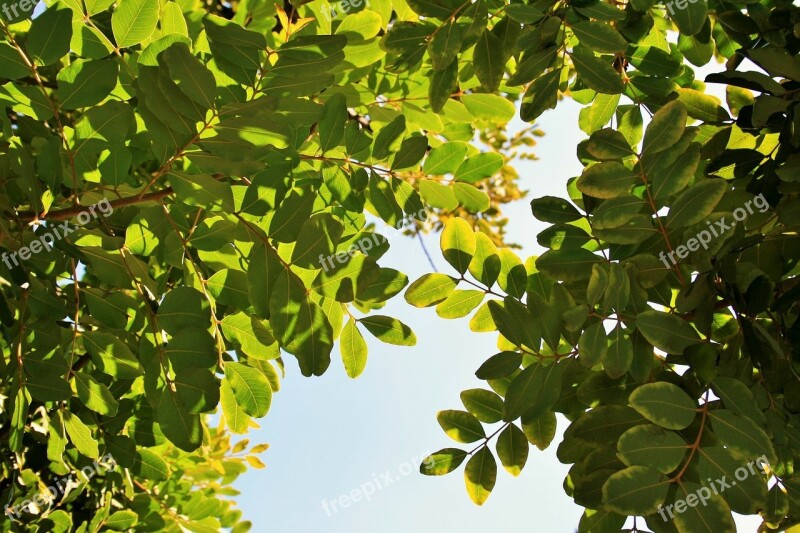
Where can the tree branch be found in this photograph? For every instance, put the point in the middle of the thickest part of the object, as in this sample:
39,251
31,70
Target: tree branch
30,216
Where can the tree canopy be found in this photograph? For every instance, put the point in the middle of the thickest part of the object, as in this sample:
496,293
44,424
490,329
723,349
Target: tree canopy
188,189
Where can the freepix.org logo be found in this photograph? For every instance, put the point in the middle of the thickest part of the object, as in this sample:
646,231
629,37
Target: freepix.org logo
47,240
61,487
17,10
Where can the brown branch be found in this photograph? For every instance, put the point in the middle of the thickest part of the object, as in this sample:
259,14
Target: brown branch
696,444
30,216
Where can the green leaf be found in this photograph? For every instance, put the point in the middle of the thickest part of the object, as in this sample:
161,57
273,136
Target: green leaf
636,490
430,289
359,277
618,292
512,277
438,195
696,203
445,158
593,345
192,347
609,179
598,282
264,268
746,495
150,465
485,405
534,391
95,395
442,462
554,210
86,83
540,96
133,21
532,66
479,166
482,320
618,358
93,7
50,35
655,61
664,404
383,200
354,349
411,152
702,106
489,61
486,264
737,397
652,446
109,122
512,449
598,73
480,475
121,520
499,365
458,243
331,126
48,387
714,515
81,436
608,144
741,435
235,418
540,430
516,323
599,36
183,307
250,388
445,45
190,75
173,21
665,129
567,265
389,330
19,415
250,334
202,190
11,64
317,238
593,118
360,26
111,355
526,14
432,8
183,429
300,324
387,137
666,181
461,426
197,389
472,199
443,84
690,18
229,287
460,303
616,212
666,332
490,107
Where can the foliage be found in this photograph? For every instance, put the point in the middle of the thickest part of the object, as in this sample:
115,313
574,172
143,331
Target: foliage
240,145
223,151
668,373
